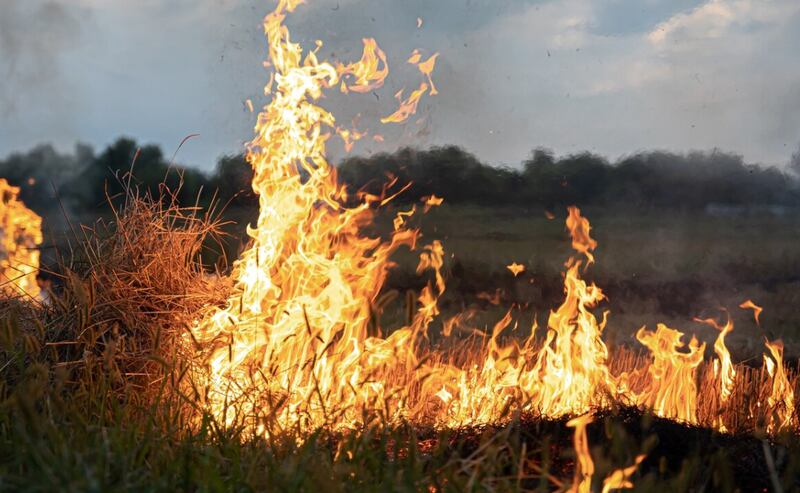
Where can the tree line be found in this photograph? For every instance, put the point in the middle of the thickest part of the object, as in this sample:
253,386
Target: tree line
83,181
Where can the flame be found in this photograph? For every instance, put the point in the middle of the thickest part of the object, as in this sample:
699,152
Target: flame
408,106
780,401
426,68
370,72
723,367
516,268
620,478
584,470
294,330
350,137
20,235
749,305
432,201
672,390
296,344
580,228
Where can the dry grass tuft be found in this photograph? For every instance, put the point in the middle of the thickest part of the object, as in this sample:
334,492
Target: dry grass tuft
126,295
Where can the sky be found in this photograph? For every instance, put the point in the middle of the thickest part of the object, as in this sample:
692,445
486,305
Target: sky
608,76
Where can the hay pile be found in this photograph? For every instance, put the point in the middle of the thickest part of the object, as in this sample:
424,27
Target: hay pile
125,295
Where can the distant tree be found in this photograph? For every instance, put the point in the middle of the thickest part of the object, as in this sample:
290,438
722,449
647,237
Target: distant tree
794,162
232,180
125,164
41,171
647,179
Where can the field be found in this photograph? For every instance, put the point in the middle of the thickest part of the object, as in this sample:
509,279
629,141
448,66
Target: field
656,266
100,413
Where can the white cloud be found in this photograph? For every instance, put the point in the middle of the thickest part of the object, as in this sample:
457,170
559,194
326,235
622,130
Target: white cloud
716,19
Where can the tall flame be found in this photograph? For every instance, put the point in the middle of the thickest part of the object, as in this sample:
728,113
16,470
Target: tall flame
584,468
780,402
297,342
295,327
672,392
20,236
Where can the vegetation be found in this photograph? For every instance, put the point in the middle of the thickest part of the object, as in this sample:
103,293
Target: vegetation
95,398
93,388
646,180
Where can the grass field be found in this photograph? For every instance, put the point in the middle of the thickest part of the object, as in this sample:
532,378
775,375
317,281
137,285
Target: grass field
657,266
88,404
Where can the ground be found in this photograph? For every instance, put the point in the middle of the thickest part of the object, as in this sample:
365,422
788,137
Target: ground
81,430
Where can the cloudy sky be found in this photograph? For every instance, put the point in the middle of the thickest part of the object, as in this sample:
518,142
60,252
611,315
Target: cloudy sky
611,76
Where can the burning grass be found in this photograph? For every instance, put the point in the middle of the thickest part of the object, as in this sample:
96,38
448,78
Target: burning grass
97,393
279,374
123,295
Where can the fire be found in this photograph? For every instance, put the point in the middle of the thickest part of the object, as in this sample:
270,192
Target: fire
20,235
749,305
516,268
579,227
672,392
780,402
296,344
408,106
293,335
584,467
370,72
432,201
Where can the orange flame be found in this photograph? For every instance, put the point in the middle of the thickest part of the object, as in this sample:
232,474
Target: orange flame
516,268
579,228
370,72
672,391
584,470
296,343
780,401
432,201
20,235
408,106
748,304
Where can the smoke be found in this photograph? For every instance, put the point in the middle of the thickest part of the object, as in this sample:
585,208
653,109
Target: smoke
33,38
794,162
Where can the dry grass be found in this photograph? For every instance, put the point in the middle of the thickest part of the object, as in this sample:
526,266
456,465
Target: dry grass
87,395
126,294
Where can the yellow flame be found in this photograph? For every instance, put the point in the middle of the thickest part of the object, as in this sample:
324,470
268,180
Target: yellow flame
297,342
370,72
294,330
584,468
580,228
672,389
749,305
408,106
432,201
620,478
426,68
20,236
780,402
516,268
